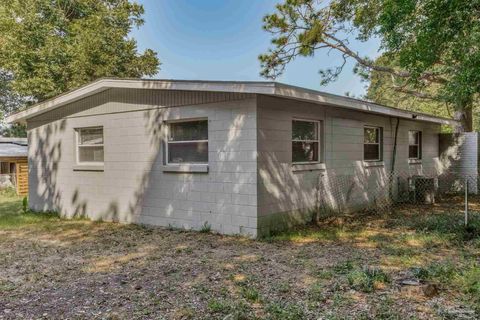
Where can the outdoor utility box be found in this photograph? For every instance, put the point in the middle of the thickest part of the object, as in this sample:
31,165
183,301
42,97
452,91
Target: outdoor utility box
422,189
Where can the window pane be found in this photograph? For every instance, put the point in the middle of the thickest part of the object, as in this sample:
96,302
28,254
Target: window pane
371,152
371,135
304,151
413,152
189,152
90,154
188,131
91,136
413,137
303,130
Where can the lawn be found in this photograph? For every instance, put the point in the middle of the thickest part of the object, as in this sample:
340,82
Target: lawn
407,265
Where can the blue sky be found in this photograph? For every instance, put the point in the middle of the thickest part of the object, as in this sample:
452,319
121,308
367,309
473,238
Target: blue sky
221,40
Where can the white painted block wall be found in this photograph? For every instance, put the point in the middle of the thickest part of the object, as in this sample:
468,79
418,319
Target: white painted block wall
286,196
133,187
250,187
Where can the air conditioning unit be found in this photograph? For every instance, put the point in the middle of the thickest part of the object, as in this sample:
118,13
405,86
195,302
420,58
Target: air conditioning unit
422,189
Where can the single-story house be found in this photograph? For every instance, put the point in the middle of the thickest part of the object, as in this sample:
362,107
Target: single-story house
241,157
13,164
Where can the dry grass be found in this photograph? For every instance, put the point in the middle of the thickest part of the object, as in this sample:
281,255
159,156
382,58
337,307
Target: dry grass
54,269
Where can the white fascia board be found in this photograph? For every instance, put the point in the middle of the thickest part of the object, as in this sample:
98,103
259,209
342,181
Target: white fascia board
354,104
267,88
105,84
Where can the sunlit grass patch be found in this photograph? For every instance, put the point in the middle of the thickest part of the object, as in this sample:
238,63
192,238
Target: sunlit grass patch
13,216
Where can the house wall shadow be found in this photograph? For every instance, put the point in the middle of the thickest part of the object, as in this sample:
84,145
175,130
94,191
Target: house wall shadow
133,186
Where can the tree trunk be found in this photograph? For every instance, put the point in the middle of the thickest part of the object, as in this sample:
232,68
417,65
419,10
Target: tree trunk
465,116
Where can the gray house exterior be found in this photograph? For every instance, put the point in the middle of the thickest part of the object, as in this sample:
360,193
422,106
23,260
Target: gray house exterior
227,154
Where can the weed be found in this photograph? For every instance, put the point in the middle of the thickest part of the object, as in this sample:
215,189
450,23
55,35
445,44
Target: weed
317,293
343,267
442,272
288,311
251,294
218,306
366,279
284,287
25,205
206,228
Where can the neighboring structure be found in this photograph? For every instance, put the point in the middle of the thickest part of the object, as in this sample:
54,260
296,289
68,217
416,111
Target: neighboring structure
14,164
243,157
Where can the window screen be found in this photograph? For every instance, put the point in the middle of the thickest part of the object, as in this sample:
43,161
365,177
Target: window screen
90,145
372,144
305,141
414,144
187,142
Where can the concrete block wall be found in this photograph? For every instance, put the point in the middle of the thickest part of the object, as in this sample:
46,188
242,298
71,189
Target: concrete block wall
251,186
133,186
287,195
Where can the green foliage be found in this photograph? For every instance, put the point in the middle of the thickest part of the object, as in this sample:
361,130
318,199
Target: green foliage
25,205
49,47
251,294
366,278
434,57
206,227
12,215
442,272
288,311
8,193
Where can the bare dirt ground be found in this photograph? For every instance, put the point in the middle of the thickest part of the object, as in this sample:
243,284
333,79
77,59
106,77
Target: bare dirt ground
370,267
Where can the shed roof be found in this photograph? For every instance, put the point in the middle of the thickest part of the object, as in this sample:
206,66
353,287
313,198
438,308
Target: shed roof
255,87
13,147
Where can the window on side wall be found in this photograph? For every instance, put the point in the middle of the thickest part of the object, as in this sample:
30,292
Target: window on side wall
305,141
372,143
414,144
187,142
90,146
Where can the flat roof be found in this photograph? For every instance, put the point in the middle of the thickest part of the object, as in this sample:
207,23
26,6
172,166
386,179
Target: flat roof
255,87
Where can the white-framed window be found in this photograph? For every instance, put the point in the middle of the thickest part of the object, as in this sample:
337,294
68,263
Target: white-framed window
305,141
89,145
187,142
414,144
372,143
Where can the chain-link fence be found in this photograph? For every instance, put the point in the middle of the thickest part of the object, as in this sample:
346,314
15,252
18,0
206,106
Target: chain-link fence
381,191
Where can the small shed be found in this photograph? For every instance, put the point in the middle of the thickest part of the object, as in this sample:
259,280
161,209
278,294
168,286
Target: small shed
14,164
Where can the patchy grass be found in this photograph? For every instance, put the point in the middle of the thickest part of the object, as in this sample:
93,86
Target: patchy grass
12,214
353,269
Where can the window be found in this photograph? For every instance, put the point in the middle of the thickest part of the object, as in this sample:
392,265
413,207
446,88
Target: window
372,144
90,145
305,141
414,144
187,142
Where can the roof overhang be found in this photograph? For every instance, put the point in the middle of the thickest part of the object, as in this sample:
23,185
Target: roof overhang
266,88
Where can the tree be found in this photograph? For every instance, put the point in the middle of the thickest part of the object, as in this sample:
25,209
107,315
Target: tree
382,90
9,102
432,44
48,47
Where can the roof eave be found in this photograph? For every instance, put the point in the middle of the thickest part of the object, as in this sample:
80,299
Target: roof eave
268,88
355,104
